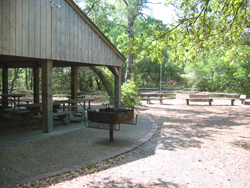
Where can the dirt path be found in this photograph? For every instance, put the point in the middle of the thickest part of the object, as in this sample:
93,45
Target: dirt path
196,146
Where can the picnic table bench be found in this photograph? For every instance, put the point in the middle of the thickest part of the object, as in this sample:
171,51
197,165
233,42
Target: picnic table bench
243,98
61,115
35,110
148,97
200,98
205,98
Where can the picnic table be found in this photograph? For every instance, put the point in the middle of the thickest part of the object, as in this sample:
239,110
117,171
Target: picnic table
69,96
233,95
35,110
148,97
205,97
13,98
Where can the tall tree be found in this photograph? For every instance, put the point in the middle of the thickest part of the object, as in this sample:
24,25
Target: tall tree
204,24
129,10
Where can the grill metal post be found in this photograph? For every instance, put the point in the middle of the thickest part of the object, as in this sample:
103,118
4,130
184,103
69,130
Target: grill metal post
111,133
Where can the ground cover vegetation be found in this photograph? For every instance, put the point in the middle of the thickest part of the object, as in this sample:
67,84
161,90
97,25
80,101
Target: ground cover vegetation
206,47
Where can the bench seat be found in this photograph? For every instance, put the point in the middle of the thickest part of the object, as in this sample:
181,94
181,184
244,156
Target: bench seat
231,99
63,114
210,100
243,98
148,99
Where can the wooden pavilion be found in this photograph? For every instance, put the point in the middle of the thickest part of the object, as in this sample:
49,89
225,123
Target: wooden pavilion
46,34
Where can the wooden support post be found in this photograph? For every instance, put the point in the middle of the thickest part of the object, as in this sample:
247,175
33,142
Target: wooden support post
36,84
74,69
5,86
47,106
232,101
118,88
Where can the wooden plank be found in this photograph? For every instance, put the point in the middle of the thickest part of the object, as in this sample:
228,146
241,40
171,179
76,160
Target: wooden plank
47,106
67,32
90,39
71,34
105,58
79,39
103,52
25,27
37,27
6,28
85,43
58,33
31,28
94,47
12,27
109,57
63,31
48,23
43,29
75,36
54,31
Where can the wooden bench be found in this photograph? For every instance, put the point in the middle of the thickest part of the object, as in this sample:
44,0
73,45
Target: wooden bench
148,97
155,98
210,100
230,99
81,96
243,98
199,98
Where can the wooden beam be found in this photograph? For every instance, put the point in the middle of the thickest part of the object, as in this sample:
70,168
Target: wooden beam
74,69
47,106
114,70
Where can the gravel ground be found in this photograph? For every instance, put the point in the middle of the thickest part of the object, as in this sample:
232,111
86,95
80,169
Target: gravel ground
196,146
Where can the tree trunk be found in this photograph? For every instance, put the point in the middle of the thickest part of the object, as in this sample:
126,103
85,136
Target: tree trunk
16,73
104,80
31,79
129,68
26,79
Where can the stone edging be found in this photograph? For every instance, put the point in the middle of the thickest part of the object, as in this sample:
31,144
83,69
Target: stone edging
111,155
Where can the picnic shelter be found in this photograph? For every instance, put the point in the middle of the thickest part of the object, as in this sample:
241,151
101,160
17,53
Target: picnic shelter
42,34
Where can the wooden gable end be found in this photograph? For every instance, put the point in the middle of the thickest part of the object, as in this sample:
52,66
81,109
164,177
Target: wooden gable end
32,28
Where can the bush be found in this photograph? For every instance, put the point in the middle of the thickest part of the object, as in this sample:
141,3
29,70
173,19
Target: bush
129,94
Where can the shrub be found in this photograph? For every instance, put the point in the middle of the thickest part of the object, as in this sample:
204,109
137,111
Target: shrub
129,94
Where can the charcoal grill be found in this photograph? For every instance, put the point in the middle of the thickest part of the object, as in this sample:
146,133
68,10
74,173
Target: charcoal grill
110,119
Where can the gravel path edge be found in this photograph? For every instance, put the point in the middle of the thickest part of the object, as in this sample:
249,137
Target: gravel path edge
109,156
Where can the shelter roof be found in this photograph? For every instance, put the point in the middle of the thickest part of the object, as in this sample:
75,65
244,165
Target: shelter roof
34,30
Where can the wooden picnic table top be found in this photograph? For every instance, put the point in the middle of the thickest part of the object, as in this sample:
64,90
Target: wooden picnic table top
75,100
13,95
232,94
153,93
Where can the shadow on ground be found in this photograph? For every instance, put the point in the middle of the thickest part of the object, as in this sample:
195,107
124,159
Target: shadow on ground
181,127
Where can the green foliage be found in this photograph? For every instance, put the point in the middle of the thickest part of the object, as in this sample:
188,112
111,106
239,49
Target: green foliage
216,71
129,94
208,47
90,166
